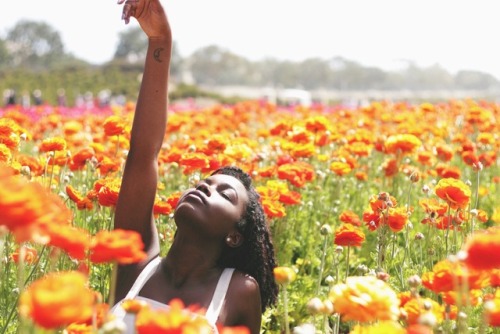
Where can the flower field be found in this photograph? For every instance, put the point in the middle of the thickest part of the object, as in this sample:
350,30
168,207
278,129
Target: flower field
385,218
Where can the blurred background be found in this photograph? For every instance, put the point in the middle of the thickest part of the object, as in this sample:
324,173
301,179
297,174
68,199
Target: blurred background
349,52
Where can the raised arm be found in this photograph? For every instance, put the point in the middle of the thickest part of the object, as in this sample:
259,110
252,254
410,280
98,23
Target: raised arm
134,210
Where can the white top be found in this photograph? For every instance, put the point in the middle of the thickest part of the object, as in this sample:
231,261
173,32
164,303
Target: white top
212,312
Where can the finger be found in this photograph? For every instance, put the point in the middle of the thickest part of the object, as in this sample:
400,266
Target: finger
121,1
127,12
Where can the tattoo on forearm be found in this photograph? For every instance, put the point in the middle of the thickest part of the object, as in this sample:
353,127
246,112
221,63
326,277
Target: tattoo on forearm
156,54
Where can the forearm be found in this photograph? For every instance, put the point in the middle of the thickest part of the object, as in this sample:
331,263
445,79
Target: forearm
134,209
150,118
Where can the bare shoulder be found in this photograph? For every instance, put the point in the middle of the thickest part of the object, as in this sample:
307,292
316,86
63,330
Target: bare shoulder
244,284
243,302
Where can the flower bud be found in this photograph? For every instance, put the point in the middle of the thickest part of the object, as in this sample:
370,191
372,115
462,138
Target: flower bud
325,229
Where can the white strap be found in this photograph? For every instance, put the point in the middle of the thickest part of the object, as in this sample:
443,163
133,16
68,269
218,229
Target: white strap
219,296
143,277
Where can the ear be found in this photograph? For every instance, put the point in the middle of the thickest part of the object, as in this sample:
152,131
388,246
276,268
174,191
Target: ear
234,239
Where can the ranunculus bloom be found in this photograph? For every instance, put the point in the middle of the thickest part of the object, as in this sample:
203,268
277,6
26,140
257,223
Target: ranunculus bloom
25,254
340,168
415,307
114,125
24,206
297,173
365,299
381,327
402,144
107,191
492,310
349,235
122,246
52,144
176,319
397,219
454,192
284,275
58,299
483,249
447,275
73,240
350,217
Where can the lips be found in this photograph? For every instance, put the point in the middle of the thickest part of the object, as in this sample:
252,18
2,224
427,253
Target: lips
198,194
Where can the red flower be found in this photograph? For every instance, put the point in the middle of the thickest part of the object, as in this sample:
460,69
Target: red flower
349,217
122,246
454,192
483,249
349,235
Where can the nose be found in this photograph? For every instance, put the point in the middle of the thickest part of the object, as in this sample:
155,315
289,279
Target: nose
203,187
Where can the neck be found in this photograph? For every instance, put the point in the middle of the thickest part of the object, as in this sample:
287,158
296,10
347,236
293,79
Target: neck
187,262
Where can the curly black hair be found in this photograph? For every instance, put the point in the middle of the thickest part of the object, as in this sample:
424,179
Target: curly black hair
255,256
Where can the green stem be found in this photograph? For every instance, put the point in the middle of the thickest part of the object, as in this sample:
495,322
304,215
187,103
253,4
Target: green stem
322,266
14,306
347,263
114,274
285,307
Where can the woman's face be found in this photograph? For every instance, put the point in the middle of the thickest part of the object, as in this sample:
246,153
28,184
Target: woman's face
216,204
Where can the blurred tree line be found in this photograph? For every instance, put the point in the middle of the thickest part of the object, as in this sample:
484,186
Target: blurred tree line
33,57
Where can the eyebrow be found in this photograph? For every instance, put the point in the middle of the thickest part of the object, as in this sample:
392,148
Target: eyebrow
224,185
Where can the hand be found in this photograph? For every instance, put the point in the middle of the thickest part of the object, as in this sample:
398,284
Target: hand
150,15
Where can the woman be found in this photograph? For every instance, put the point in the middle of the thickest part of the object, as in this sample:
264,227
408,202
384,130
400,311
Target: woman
220,223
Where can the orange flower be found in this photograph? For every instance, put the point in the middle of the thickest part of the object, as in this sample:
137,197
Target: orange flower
194,161
34,165
365,299
402,144
122,246
273,209
78,328
381,327
340,168
472,297
73,240
382,202
5,153
52,144
483,249
454,192
107,191
446,171
133,305
58,299
81,202
79,159
24,206
290,197
443,152
284,275
432,207
492,310
27,254
176,319
361,176
416,307
349,235
446,275
349,217
390,167
162,208
113,126
297,173
397,218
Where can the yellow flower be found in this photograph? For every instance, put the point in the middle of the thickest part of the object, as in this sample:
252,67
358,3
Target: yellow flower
365,299
284,275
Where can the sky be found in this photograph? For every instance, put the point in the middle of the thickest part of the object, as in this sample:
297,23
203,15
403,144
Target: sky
456,34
